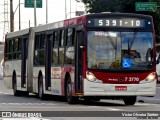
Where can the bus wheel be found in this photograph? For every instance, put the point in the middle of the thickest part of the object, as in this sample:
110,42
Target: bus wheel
40,89
130,100
70,99
15,91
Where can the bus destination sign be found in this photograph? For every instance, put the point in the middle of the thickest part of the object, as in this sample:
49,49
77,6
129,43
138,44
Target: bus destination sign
126,22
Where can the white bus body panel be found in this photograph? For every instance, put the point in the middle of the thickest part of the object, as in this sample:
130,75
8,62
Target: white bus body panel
56,83
10,66
100,89
56,87
36,71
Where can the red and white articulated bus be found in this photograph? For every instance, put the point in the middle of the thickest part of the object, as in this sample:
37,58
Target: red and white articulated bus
93,57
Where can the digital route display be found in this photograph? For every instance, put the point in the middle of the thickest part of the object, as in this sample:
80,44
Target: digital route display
116,22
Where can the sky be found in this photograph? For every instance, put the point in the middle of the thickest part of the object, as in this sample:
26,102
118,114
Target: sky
56,12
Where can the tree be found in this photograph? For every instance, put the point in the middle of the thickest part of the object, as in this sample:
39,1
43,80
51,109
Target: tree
127,6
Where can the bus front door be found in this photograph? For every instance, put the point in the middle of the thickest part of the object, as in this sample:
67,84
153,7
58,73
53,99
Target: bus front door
79,62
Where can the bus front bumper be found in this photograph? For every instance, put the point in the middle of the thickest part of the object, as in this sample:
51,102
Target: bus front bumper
100,89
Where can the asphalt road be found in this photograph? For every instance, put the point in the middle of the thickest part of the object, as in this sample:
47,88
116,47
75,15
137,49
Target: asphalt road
8,102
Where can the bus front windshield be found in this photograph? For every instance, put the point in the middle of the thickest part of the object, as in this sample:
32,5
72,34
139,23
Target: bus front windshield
120,50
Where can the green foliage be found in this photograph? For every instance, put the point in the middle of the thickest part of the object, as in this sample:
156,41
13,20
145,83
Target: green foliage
126,6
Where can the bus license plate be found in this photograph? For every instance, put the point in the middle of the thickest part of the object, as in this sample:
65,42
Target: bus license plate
120,88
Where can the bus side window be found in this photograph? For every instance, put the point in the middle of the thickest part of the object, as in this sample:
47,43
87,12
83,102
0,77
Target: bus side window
42,41
55,48
37,43
61,38
56,39
10,49
61,47
19,49
70,37
69,53
14,49
37,46
41,50
16,45
26,39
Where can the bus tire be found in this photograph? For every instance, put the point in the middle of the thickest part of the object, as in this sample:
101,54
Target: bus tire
40,89
130,100
15,91
68,92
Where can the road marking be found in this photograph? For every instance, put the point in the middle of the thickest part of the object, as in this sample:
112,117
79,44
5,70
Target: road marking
146,104
113,109
108,108
28,104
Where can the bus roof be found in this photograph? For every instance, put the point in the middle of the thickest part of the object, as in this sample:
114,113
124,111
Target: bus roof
49,26
73,21
82,19
118,14
17,33
60,24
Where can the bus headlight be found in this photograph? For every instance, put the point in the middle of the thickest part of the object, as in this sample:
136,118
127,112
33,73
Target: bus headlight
150,78
90,76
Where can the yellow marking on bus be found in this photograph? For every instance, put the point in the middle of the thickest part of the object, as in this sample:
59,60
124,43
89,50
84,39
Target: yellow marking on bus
79,94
